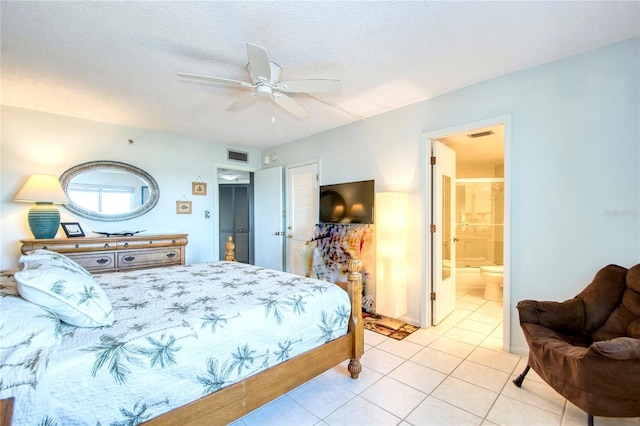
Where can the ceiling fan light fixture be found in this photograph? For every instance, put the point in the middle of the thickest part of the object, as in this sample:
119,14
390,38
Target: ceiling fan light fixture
264,90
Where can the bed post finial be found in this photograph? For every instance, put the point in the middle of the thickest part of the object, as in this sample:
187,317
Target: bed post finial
356,324
230,246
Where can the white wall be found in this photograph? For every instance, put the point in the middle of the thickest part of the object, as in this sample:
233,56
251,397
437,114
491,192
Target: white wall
575,151
36,142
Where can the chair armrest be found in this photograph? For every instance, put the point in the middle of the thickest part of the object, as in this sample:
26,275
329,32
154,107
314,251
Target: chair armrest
564,316
620,348
633,330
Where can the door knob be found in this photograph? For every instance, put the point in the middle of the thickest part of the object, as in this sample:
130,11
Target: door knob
289,236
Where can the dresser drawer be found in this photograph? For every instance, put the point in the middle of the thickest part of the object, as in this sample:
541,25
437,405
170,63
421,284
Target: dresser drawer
70,246
136,259
95,262
151,242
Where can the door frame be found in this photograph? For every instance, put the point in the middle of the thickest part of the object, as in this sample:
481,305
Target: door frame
215,215
425,196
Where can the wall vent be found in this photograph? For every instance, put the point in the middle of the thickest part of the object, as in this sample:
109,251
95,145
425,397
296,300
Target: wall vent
481,134
238,156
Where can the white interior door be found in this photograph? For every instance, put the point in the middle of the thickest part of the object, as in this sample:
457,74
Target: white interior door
303,199
443,251
268,218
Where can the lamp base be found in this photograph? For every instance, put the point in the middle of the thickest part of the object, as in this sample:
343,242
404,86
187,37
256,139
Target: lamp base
44,220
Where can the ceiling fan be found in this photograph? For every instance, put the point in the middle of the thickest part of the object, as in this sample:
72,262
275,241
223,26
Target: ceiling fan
265,81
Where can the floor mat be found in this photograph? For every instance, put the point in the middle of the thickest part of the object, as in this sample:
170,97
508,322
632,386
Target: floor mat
389,327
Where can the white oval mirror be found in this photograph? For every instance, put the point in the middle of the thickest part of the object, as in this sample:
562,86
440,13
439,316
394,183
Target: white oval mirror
109,190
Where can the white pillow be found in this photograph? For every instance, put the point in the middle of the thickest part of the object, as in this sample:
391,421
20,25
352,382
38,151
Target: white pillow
59,284
23,323
28,336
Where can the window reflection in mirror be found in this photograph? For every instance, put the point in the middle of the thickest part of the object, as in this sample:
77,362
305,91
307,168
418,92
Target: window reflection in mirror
109,190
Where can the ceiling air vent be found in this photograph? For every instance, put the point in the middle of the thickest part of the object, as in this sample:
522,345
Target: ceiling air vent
238,156
481,134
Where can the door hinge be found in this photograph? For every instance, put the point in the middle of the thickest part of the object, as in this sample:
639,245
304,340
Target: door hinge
433,161
433,295
433,228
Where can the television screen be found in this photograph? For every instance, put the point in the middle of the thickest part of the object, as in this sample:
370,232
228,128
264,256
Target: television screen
350,202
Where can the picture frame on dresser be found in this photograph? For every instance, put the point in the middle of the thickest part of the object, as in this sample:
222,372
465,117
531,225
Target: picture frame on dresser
72,229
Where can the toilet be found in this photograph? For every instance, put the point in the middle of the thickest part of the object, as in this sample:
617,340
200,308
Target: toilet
492,276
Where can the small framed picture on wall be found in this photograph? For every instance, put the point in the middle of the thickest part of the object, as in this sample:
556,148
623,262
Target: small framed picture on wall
72,229
199,188
183,207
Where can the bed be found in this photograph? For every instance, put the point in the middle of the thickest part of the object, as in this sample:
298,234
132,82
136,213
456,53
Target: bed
186,344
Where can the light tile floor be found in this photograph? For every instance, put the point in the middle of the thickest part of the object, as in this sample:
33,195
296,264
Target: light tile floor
452,374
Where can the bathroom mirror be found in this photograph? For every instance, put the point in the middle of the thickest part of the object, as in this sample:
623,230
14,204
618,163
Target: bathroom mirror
446,227
109,191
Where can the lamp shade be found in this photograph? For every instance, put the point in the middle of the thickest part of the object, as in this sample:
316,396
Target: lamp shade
42,189
44,218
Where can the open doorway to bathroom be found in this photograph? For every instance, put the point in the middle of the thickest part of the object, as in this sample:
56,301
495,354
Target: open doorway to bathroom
479,216
479,233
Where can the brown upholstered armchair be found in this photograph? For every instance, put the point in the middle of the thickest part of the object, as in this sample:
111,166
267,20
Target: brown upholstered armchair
588,348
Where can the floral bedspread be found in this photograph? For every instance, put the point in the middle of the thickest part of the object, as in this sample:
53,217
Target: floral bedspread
180,333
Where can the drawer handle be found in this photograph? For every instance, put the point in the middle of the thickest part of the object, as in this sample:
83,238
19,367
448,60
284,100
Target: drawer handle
150,242
171,255
126,244
129,259
77,246
173,242
106,245
102,261
44,247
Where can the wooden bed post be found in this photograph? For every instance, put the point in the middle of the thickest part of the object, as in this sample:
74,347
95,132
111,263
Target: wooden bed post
230,246
356,325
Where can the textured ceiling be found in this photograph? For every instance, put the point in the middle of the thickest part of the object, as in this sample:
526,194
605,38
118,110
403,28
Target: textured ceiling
116,62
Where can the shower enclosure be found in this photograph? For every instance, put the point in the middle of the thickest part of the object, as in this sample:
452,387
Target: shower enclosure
479,222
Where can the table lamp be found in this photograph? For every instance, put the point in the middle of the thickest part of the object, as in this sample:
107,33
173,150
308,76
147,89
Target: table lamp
44,217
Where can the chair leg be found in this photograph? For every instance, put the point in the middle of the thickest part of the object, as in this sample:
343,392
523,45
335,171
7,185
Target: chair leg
518,380
589,420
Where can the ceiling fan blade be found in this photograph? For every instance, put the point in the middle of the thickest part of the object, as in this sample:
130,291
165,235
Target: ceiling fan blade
216,79
243,102
290,105
309,86
259,62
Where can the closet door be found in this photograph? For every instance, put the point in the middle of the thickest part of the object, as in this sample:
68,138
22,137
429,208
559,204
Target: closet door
235,219
303,199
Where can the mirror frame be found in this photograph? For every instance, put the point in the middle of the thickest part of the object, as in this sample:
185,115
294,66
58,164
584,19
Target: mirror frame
66,177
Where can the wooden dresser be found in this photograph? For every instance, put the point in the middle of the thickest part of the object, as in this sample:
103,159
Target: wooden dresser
112,254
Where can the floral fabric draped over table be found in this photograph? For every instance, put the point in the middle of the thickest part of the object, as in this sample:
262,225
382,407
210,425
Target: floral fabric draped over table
334,244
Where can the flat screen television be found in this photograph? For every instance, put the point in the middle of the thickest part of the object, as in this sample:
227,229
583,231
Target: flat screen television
350,202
